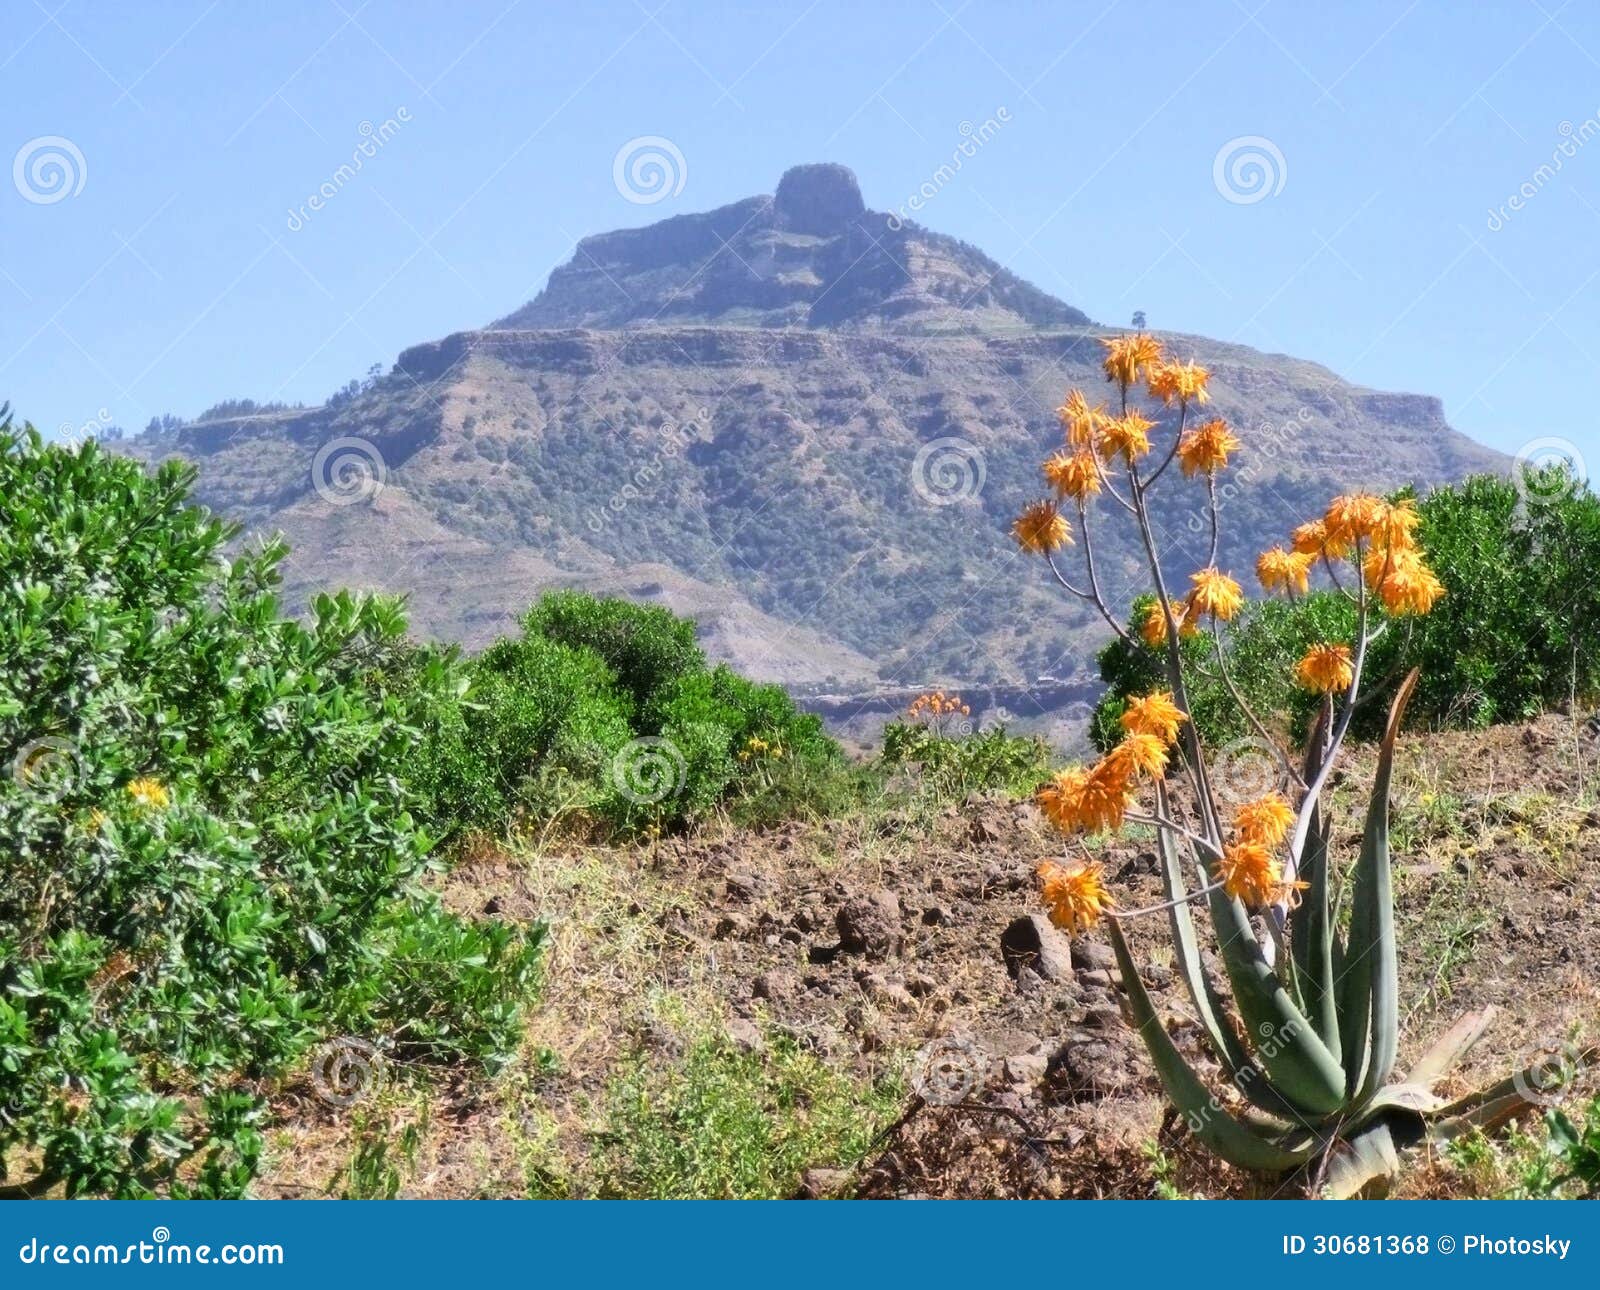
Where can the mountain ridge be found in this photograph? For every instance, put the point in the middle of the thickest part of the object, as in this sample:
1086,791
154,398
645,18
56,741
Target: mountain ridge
820,461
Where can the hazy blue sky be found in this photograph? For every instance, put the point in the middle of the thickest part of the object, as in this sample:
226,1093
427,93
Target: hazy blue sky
172,276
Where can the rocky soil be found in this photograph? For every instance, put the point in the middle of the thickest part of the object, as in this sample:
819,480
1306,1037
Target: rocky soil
897,945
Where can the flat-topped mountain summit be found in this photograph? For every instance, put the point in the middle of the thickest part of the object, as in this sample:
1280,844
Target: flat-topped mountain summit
812,255
793,417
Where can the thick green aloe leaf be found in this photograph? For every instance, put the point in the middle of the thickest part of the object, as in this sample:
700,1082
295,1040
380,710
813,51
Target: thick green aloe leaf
1311,936
1204,1115
1371,962
1287,1045
1224,1037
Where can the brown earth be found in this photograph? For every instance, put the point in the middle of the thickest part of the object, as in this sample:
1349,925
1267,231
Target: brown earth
867,941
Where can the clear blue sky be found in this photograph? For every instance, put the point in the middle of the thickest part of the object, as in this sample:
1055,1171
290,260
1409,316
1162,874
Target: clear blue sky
172,278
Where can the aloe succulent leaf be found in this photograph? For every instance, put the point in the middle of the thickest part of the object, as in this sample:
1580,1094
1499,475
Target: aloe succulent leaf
1312,939
1372,966
1206,1118
1220,1031
1451,1047
1287,1045
1225,1041
1487,1116
1361,1160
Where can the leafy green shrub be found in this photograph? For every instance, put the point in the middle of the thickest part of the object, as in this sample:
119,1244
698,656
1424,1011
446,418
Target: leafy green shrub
607,711
209,862
950,764
1512,636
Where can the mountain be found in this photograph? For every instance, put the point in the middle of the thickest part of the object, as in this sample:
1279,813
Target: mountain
805,422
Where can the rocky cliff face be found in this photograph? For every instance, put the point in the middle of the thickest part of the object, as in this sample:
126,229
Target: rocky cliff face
807,428
812,255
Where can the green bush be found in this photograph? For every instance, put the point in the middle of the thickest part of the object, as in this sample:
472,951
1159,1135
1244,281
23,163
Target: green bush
210,864
607,713
949,764
1513,635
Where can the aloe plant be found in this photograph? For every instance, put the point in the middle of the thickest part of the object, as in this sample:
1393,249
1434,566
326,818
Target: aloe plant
1308,1029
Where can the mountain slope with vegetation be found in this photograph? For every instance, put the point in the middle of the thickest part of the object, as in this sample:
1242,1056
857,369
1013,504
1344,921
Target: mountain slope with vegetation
806,426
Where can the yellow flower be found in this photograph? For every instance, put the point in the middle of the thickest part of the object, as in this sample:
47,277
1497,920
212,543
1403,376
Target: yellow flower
1281,570
1128,356
1266,820
1326,668
1352,518
1041,528
1403,582
1185,382
97,820
1078,419
1075,475
1127,436
1153,626
1215,593
1155,713
1138,754
1075,895
1206,447
1252,875
1399,525
151,793
1089,800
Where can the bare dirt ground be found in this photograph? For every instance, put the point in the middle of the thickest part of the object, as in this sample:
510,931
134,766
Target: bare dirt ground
863,942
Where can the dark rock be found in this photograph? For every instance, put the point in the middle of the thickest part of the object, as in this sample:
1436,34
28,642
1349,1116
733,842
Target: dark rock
732,926
818,199
1032,941
1091,956
937,915
870,924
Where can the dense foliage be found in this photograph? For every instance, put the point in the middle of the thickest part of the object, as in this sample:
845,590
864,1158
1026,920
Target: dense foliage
607,713
209,865
1511,637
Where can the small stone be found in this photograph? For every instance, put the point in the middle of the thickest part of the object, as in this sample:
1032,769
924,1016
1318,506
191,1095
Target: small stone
1092,956
776,986
870,924
1032,941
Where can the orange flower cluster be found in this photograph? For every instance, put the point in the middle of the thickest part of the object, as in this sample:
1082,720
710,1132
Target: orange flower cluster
1041,529
1075,895
1213,595
1204,450
1380,535
1326,669
1073,474
936,704
1288,571
1094,436
1153,626
1249,871
1095,799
